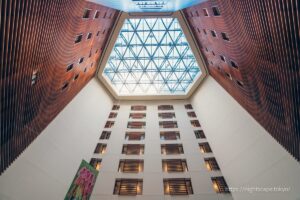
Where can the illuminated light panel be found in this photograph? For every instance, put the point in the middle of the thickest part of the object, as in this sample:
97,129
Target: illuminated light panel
151,57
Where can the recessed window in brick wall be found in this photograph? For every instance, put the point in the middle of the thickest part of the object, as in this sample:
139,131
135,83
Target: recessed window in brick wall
213,33
34,77
223,58
216,11
225,36
86,13
89,36
205,12
81,60
234,65
97,13
78,38
70,67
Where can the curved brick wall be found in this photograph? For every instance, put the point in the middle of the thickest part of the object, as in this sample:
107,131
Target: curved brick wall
264,44
39,36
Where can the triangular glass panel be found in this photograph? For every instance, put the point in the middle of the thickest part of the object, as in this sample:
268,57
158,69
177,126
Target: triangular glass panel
151,56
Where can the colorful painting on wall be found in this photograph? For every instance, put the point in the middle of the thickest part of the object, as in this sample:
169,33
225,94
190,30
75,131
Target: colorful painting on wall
83,183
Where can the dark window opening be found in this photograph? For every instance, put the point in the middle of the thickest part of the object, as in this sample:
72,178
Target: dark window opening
169,135
171,149
70,67
135,136
205,12
191,114
199,134
89,36
233,64
96,14
109,124
169,115
220,185
205,148
78,38
225,36
223,58
178,186
195,123
105,135
81,60
168,124
133,149
188,106
211,164
65,86
76,77
165,107
113,115
96,163
216,11
100,148
213,33
86,13
138,107
116,107
128,187
137,115
174,165
131,166
136,125
34,77
241,84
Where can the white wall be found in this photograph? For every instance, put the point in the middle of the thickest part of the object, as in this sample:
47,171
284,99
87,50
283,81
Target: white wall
153,175
248,156
47,167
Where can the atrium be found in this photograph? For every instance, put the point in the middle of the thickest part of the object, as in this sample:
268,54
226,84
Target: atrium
149,100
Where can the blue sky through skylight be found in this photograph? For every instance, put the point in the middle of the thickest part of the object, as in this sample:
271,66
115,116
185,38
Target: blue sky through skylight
151,57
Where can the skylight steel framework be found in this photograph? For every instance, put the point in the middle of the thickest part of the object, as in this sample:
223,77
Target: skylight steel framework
151,57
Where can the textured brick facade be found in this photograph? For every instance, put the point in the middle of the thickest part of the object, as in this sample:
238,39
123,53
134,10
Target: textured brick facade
37,46
264,47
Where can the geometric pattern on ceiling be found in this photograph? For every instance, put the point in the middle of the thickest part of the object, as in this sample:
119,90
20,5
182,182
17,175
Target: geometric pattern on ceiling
151,56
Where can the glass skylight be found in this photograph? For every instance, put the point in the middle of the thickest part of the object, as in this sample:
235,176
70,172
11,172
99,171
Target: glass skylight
151,57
